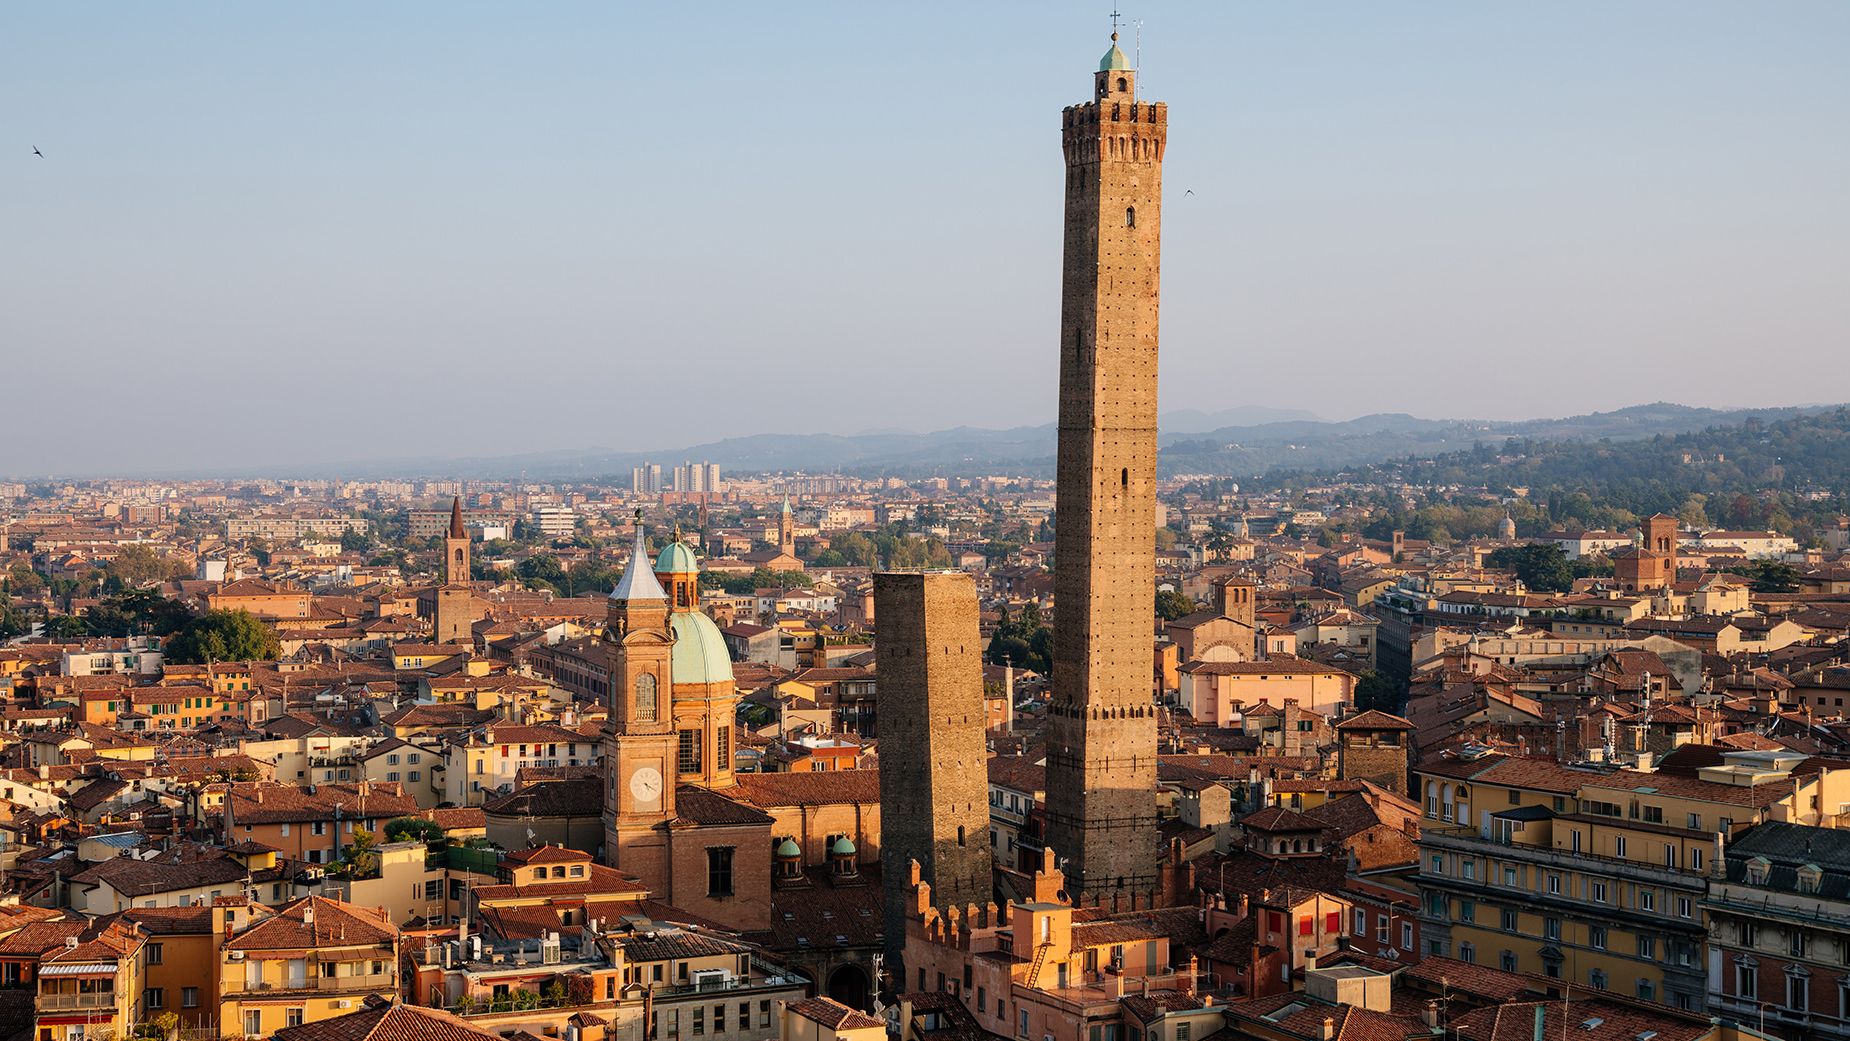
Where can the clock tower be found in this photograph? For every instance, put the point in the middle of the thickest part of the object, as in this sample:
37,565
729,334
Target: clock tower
639,741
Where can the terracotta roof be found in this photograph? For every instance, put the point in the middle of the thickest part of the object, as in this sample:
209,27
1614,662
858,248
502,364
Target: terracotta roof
265,802
574,797
1375,719
334,924
834,1015
811,789
1278,818
547,855
388,1023
1277,665
696,805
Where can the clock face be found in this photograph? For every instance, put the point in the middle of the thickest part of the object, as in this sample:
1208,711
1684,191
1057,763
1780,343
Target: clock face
646,784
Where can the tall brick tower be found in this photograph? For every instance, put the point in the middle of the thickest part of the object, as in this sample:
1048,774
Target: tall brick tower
934,779
455,617
639,739
1101,754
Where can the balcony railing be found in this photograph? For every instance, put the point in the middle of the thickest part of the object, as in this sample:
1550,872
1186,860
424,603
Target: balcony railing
368,982
61,1002
1467,841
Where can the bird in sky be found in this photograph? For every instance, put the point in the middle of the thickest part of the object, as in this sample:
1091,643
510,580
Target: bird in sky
35,151
1189,191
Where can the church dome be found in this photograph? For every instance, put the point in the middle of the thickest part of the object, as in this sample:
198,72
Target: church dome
699,650
1114,59
676,559
842,847
789,848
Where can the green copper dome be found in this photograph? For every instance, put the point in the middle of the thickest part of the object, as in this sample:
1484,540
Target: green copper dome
1114,59
788,848
699,650
676,559
842,847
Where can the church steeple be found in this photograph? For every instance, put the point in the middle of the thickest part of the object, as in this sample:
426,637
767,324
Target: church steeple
787,529
456,548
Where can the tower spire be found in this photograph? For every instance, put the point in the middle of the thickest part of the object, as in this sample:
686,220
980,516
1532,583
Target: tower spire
456,521
638,581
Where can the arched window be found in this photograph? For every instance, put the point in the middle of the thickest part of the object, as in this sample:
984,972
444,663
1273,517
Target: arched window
645,698
1123,83
1130,216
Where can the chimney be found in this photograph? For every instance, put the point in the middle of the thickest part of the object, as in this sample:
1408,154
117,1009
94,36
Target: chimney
1329,1028
1431,1015
1008,698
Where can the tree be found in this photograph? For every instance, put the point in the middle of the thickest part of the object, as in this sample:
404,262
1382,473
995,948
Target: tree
1171,605
1540,566
138,612
1022,641
362,857
165,1022
21,580
405,829
1373,690
223,636
1769,576
137,566
66,627
543,571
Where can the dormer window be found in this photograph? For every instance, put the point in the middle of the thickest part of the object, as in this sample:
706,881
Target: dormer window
1809,877
1757,869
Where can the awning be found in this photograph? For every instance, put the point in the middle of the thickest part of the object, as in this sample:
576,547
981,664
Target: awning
100,968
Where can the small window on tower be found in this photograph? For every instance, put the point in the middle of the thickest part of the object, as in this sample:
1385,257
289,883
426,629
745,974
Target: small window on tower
645,698
1123,84
1124,477
1130,216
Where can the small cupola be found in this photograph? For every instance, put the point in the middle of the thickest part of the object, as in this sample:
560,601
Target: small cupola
842,858
1116,81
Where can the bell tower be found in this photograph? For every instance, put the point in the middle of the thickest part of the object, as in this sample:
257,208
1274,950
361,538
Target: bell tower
1101,748
639,739
454,618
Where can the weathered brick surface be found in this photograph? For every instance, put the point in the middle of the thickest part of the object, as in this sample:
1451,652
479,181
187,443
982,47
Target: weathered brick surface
934,777
1101,756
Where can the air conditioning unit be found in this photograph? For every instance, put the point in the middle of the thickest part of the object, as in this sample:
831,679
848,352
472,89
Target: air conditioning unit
343,1003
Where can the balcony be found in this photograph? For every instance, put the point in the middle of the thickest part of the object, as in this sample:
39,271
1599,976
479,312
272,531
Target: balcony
68,1002
1475,844
324,984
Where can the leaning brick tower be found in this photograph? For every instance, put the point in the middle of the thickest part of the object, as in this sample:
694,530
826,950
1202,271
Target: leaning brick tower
1101,755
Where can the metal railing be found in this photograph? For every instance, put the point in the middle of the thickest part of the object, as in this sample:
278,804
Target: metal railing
55,1002
1638,870
368,982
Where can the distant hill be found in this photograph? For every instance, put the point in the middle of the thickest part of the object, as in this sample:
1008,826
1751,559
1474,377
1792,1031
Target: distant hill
1270,440
1250,451
1806,453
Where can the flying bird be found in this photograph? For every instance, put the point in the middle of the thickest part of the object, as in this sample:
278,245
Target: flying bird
35,151
1190,191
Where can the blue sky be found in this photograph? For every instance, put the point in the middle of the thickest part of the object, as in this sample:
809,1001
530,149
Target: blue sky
292,233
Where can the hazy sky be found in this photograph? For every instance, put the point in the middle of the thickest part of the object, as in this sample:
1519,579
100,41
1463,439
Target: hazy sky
270,233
